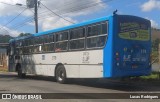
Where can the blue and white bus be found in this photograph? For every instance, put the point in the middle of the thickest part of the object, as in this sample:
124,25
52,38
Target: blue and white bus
113,46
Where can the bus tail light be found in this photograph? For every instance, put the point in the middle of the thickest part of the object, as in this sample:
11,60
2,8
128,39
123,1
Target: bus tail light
117,58
117,54
117,64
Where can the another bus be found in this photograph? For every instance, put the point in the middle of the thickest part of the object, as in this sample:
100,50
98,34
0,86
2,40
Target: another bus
113,46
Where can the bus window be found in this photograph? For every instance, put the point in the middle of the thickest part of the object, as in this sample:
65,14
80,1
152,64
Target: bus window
39,40
46,39
62,41
48,47
51,38
51,47
36,49
77,33
62,36
96,42
104,28
45,47
77,38
61,46
77,44
36,39
94,30
25,50
97,35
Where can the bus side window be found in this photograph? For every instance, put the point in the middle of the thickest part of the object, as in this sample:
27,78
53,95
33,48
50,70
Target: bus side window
97,35
104,28
77,37
61,41
101,41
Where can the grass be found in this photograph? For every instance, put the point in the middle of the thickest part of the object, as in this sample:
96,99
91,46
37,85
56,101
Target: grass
3,70
153,76
154,55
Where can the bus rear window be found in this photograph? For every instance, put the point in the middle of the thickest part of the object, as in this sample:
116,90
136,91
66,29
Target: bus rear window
132,28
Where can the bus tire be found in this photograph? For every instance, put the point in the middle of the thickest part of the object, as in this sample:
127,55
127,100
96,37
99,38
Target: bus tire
60,74
19,71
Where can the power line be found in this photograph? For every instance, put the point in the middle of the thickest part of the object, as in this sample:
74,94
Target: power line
85,6
57,14
27,20
63,7
80,7
15,17
72,9
12,21
11,4
21,24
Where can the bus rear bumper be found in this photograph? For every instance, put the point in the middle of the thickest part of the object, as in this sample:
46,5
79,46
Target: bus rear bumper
129,73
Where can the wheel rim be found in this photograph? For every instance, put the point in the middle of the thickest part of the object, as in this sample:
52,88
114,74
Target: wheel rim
61,75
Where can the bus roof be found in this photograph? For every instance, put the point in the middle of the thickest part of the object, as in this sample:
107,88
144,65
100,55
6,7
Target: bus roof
64,28
73,26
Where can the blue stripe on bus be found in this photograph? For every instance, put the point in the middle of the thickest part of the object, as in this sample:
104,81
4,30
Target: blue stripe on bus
107,51
64,28
73,26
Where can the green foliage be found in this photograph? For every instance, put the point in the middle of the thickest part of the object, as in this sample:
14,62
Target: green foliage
5,38
153,76
155,44
24,34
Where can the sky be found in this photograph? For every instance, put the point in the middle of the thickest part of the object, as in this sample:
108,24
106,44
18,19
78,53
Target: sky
15,19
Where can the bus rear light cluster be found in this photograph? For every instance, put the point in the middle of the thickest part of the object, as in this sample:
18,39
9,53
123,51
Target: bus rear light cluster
134,66
117,59
117,54
117,64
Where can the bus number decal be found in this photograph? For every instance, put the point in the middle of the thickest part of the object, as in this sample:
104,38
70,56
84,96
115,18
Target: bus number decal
54,58
43,57
86,57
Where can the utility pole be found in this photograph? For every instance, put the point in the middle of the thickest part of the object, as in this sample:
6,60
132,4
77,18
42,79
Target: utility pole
33,4
159,53
36,16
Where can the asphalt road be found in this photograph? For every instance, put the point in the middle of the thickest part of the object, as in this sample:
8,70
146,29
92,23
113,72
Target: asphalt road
10,83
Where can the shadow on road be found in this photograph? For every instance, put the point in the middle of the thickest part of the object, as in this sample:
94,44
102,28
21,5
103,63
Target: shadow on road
96,83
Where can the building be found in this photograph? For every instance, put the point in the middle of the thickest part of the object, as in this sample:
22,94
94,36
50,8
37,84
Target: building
3,58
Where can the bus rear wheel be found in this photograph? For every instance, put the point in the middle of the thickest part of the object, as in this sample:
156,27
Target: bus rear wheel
19,71
61,74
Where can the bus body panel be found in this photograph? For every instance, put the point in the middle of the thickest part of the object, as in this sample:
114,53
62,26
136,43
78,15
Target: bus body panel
78,64
133,57
107,56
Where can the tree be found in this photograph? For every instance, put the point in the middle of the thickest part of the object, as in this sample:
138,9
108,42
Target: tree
155,44
5,38
24,34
